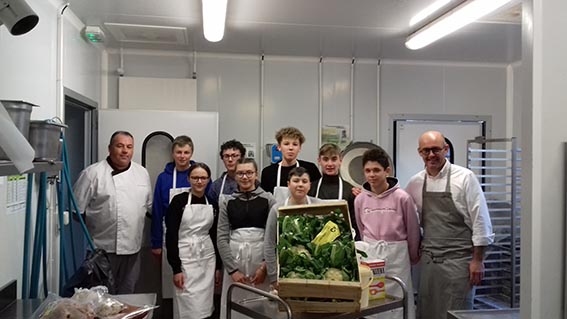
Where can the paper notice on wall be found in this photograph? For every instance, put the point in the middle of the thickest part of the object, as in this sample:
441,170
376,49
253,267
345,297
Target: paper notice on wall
250,150
16,188
336,134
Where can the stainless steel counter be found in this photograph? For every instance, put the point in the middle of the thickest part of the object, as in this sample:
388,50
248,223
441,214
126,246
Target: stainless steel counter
485,314
24,309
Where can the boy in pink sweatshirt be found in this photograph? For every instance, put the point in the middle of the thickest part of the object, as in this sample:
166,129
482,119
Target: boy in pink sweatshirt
388,223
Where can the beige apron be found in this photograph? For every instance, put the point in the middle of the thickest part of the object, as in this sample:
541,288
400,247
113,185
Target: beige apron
197,255
166,273
247,246
446,254
281,193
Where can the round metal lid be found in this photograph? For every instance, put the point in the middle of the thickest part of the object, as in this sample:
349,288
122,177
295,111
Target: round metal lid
351,168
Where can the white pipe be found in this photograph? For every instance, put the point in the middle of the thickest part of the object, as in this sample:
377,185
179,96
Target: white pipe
120,70
320,141
351,111
60,96
194,76
53,238
262,144
52,258
510,101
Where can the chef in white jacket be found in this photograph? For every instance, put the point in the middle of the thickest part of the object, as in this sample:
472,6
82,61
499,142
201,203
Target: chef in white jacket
114,196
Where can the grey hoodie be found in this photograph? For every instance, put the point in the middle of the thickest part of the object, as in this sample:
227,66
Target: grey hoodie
239,210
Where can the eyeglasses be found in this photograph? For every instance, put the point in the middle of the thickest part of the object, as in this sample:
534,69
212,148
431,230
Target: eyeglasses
248,174
230,156
198,178
434,150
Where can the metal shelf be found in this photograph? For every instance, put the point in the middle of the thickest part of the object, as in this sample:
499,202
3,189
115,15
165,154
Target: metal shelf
496,162
7,168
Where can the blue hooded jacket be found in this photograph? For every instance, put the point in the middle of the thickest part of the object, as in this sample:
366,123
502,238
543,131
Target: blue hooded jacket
164,183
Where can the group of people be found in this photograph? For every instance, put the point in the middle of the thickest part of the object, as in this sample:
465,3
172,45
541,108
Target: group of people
224,231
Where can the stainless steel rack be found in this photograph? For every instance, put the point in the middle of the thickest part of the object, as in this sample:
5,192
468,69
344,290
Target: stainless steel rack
7,168
268,306
496,162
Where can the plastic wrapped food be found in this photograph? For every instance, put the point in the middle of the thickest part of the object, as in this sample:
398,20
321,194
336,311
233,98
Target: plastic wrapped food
67,308
108,307
94,303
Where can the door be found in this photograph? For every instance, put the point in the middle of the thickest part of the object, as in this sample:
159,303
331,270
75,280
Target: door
80,142
407,161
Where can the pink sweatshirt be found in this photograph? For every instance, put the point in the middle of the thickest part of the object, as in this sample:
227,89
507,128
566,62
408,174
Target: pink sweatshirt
390,216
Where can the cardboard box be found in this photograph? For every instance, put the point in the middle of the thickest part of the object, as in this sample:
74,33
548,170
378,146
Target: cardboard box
377,288
323,296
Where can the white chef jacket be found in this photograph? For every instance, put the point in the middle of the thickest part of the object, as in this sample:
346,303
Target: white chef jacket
114,206
467,196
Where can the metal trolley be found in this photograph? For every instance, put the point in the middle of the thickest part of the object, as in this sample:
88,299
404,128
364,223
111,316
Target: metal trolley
266,305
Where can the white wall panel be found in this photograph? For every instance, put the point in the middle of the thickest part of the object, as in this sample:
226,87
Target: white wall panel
477,90
291,99
336,92
409,89
143,93
82,60
27,62
444,89
140,63
28,72
231,86
365,101
517,101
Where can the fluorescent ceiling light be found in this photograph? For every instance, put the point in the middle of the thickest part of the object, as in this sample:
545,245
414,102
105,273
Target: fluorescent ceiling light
214,16
456,18
421,15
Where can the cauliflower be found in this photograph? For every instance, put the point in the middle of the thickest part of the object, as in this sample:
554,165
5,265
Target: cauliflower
301,250
336,275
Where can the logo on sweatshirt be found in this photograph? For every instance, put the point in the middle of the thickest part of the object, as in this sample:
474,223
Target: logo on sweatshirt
380,210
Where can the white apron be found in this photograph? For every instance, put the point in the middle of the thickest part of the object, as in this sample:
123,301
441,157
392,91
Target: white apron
340,197
247,246
396,255
166,273
281,193
222,196
197,256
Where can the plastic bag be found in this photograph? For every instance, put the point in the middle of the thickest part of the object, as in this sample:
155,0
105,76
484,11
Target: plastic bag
94,271
55,307
94,303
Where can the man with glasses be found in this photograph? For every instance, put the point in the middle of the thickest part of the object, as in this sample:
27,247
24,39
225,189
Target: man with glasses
456,230
230,152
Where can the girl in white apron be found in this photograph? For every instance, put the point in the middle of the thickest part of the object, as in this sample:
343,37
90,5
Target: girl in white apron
387,219
190,251
240,234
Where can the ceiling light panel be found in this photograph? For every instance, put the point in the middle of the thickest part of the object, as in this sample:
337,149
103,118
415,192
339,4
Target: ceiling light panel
137,33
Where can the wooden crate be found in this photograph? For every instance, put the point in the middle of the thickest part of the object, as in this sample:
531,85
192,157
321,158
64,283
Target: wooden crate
346,293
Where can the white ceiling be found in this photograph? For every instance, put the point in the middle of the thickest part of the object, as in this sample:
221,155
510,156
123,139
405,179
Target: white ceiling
329,28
